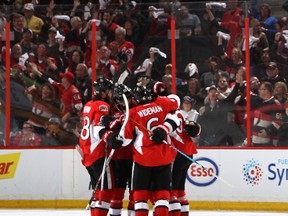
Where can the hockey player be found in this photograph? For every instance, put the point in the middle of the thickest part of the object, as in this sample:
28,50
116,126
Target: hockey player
123,156
181,138
93,147
151,172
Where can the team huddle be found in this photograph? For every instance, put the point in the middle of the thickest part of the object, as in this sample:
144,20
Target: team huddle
132,138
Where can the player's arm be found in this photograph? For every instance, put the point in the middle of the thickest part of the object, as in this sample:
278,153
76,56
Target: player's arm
192,128
169,125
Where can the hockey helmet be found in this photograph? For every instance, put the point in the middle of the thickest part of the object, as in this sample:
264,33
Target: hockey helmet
102,84
143,95
121,89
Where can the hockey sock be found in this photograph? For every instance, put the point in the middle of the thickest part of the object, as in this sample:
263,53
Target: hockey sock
116,203
161,206
184,203
100,207
174,206
131,211
141,202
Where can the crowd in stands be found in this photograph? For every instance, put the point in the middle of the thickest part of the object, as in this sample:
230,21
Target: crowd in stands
51,64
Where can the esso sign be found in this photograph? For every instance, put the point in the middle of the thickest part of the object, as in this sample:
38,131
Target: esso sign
203,172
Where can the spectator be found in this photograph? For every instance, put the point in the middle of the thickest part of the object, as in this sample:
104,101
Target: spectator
133,32
272,74
167,80
55,49
131,13
121,49
188,24
262,43
268,22
31,21
55,135
15,57
26,42
283,130
74,58
159,23
46,64
108,27
17,28
279,49
268,116
223,88
26,137
214,113
83,82
62,25
3,22
258,70
194,91
106,66
233,62
45,106
74,38
187,109
211,77
254,85
280,92
231,23
50,137
70,96
150,66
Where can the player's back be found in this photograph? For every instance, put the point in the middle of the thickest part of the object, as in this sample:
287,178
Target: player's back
91,144
143,119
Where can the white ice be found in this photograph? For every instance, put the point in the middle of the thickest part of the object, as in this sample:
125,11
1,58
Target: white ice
74,212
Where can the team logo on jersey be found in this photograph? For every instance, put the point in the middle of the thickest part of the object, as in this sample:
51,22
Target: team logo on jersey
203,172
252,172
103,108
8,165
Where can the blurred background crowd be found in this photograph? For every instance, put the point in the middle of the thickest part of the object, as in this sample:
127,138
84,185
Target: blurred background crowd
51,64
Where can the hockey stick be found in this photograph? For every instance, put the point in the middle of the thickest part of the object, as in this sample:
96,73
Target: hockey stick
108,159
120,136
194,161
186,156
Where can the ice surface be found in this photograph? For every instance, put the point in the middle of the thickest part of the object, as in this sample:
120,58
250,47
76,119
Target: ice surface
71,212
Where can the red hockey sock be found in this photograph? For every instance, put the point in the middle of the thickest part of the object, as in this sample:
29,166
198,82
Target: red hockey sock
100,207
184,203
161,205
141,202
116,203
174,207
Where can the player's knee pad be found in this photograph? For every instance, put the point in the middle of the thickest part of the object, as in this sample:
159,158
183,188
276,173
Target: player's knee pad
118,193
105,195
161,194
141,195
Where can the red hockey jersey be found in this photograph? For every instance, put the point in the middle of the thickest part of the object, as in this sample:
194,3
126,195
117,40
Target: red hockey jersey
142,120
91,144
180,139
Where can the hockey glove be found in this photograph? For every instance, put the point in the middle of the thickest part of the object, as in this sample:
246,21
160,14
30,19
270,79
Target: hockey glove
111,139
106,120
159,134
114,142
192,129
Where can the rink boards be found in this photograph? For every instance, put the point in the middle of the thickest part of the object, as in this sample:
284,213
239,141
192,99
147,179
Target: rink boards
240,179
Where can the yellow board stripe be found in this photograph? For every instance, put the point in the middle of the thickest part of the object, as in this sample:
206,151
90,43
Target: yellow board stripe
199,205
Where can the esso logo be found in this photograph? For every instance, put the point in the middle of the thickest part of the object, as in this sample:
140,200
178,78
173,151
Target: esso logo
203,172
